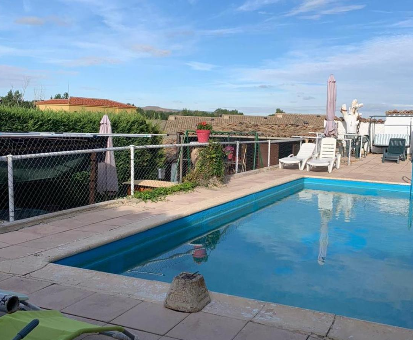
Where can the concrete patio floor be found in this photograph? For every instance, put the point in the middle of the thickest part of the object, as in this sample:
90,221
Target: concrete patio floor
103,298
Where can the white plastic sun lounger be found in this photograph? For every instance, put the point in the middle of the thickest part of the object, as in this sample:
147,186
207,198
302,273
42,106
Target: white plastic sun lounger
327,157
305,153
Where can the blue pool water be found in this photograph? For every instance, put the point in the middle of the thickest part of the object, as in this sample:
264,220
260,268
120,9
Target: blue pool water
334,246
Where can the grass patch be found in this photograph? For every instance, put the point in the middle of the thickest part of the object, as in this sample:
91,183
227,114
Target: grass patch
158,194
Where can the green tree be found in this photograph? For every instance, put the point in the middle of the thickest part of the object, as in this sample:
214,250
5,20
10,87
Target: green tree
219,112
61,96
278,110
15,98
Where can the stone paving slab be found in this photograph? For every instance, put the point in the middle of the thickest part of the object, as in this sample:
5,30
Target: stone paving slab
101,307
55,240
290,318
141,336
4,276
2,244
140,289
233,307
22,265
68,223
23,285
44,229
98,227
353,329
17,237
253,331
58,297
204,326
150,317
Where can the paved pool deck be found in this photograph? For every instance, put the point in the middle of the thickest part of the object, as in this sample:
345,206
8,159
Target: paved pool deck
103,298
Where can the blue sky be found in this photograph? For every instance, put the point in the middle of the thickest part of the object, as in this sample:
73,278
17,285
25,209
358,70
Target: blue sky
251,55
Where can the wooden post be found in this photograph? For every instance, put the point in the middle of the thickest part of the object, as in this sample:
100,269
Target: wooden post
92,182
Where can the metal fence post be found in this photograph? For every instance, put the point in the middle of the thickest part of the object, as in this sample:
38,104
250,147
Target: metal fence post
269,154
132,170
181,164
236,157
10,186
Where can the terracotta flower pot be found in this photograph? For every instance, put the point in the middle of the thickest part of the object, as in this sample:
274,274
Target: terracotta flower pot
203,135
199,252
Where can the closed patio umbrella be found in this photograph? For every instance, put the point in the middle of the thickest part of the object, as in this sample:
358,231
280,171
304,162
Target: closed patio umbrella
107,175
331,128
325,206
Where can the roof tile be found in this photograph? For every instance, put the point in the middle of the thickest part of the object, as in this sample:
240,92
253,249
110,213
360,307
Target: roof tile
81,101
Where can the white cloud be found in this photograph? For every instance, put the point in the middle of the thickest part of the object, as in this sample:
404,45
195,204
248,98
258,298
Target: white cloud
369,70
408,23
342,9
86,61
201,66
252,5
27,6
150,50
16,76
221,31
322,7
38,21
309,6
31,21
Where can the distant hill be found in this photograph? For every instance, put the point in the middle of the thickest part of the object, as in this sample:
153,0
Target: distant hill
158,109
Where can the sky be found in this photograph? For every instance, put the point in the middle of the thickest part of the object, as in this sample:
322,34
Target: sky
250,55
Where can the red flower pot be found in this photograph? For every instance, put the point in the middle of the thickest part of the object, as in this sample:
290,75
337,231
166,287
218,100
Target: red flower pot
199,252
203,135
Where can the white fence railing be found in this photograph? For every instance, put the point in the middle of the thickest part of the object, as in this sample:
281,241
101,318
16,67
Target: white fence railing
40,183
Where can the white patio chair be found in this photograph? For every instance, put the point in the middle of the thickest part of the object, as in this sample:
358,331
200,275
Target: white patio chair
327,156
305,153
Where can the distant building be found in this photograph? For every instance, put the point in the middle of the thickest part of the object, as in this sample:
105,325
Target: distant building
76,104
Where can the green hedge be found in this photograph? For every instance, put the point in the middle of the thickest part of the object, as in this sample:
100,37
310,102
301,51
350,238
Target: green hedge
18,119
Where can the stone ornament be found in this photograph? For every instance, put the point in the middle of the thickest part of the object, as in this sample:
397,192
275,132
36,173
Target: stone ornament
188,293
351,118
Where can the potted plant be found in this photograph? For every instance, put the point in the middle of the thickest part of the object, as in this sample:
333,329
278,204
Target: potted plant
229,151
203,130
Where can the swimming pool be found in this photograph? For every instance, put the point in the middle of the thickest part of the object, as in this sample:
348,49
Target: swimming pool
336,246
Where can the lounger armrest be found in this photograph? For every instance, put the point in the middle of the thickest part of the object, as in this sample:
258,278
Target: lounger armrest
292,155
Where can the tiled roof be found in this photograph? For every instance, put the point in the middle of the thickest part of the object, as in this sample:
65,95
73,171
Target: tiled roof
283,125
399,113
80,101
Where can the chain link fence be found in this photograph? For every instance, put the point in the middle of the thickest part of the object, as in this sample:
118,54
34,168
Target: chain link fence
44,175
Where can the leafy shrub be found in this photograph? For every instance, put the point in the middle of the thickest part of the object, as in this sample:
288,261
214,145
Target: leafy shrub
210,167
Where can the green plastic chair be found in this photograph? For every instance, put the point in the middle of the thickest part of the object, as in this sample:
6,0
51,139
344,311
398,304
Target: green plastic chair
53,325
396,150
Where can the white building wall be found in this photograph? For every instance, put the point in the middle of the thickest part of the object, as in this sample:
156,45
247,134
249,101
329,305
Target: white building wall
398,125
